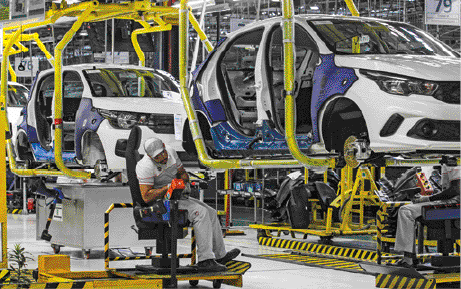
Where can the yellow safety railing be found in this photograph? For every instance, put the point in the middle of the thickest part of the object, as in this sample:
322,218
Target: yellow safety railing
27,172
3,113
191,114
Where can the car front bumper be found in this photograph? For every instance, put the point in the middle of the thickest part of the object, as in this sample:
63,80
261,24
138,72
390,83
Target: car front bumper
423,122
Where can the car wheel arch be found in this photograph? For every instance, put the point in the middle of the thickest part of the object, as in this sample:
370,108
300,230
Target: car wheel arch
22,145
204,128
341,118
91,145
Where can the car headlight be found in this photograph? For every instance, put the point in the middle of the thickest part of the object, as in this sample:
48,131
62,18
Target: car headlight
400,85
159,123
120,119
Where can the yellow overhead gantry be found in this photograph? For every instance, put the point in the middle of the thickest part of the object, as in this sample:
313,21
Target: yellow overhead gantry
153,19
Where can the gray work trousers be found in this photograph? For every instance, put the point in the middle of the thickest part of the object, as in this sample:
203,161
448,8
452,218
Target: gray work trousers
208,233
405,236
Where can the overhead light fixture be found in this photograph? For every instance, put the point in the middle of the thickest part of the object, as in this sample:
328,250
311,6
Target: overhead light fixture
195,4
314,7
83,32
215,8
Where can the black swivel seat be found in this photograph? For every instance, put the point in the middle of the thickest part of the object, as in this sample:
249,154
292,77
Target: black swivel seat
150,218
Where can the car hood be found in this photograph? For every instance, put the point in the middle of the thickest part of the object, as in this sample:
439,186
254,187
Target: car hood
171,100
426,67
14,114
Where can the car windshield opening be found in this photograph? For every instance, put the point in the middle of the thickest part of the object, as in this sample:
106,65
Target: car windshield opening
344,36
17,95
116,82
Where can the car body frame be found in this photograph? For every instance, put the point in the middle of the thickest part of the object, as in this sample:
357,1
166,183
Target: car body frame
389,84
101,103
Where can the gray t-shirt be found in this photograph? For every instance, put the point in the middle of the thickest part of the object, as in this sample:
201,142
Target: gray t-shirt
158,175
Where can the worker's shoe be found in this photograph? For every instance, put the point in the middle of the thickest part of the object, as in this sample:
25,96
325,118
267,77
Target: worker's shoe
402,263
231,255
210,265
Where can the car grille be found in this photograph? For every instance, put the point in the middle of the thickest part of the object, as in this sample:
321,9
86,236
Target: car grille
448,92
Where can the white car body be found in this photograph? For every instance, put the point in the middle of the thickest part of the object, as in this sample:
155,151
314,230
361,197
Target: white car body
16,100
91,122
402,99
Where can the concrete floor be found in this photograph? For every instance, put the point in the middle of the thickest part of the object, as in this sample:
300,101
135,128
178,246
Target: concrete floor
263,274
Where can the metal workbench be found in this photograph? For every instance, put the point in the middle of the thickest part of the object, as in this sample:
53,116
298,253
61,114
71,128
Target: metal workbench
80,222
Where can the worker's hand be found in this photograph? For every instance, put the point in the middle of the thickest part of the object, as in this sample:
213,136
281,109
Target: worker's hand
187,189
422,199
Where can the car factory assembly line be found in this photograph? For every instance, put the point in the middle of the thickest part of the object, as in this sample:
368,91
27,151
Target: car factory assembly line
231,119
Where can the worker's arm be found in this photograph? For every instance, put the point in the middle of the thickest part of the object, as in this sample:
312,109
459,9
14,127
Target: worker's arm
149,194
183,174
450,192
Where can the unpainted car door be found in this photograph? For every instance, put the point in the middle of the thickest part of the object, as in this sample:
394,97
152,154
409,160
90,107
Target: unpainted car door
306,59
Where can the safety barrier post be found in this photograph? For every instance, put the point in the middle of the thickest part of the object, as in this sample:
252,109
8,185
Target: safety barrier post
106,240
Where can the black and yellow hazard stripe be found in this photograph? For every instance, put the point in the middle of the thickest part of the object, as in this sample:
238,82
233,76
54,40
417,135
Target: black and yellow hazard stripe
396,281
14,211
321,249
238,267
193,248
323,262
106,232
4,275
179,256
53,285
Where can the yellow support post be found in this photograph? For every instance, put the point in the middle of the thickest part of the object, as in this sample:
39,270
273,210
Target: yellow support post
289,76
12,72
58,122
146,29
200,32
3,201
350,4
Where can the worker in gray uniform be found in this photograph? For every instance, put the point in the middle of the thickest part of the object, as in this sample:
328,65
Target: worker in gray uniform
155,171
405,235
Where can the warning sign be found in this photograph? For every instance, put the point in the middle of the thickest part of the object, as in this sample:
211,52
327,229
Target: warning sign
58,213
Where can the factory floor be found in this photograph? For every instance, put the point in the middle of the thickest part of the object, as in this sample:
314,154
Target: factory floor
263,274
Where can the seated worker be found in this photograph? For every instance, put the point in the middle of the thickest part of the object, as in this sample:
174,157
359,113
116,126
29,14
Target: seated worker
155,171
405,235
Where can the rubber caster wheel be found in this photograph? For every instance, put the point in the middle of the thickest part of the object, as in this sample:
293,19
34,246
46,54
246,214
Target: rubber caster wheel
326,240
217,283
148,251
56,248
193,282
262,233
86,254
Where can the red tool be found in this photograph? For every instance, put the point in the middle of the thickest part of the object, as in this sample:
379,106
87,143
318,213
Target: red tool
424,184
176,186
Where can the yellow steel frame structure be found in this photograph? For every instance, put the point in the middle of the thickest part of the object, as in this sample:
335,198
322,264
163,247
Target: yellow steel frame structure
143,12
163,17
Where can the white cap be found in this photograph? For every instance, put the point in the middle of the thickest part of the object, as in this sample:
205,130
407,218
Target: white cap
153,147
